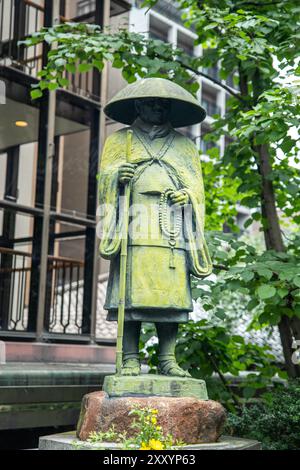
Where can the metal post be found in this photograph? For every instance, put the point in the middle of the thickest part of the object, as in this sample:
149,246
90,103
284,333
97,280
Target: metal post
91,248
11,192
52,231
19,28
8,233
43,192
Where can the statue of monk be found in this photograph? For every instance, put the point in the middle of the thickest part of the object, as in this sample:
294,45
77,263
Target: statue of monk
166,244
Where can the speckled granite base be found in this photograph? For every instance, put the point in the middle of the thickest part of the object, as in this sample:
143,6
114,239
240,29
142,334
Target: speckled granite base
187,419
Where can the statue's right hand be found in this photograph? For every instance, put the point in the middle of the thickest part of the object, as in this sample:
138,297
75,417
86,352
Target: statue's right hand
126,172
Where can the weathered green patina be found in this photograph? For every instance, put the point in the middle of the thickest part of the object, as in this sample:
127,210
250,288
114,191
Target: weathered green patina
166,231
155,385
185,110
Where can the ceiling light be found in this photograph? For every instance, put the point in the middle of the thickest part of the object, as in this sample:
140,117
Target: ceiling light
21,123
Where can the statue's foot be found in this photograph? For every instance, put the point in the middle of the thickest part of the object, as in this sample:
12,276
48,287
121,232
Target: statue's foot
131,367
171,368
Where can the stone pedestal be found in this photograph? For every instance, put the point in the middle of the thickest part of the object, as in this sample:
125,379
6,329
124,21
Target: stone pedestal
154,385
68,441
188,419
184,411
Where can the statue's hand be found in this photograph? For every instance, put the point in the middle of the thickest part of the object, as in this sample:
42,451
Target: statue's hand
126,172
180,198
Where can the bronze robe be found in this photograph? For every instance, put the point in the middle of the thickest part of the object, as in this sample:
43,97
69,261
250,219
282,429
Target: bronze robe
158,277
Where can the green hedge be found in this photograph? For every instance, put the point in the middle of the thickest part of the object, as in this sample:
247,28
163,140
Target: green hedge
275,422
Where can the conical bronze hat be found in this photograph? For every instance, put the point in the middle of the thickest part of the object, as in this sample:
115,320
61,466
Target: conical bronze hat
185,109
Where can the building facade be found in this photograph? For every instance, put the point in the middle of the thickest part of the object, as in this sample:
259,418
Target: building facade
38,272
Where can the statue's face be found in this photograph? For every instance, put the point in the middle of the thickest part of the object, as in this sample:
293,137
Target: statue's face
154,111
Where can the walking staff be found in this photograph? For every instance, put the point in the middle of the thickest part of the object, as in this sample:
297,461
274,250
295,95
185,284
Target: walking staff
123,264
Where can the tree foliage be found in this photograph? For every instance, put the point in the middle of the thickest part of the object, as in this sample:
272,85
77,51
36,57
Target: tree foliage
270,279
211,352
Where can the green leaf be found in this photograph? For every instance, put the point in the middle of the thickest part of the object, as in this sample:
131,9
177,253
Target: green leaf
248,392
220,313
63,82
71,68
44,84
35,94
49,39
84,67
248,222
252,304
42,73
282,292
53,86
286,275
297,310
60,62
250,201
210,26
117,63
296,281
266,273
98,64
266,292
247,275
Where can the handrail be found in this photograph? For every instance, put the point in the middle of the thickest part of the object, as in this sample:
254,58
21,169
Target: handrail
14,270
31,59
63,19
71,219
10,251
66,260
30,3
61,259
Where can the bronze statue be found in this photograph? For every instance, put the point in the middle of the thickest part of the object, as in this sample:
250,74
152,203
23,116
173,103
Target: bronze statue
165,244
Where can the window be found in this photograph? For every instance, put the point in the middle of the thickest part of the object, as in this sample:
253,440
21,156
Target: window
204,144
212,71
158,29
210,106
85,6
185,43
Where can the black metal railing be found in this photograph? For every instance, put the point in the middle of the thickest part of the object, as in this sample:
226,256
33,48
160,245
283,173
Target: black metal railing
18,20
64,293
15,269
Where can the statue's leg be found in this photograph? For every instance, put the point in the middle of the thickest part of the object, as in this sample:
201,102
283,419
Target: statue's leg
131,361
167,365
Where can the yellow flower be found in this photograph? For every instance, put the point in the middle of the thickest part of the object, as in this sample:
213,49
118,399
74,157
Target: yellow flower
145,447
153,420
154,412
158,428
156,445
